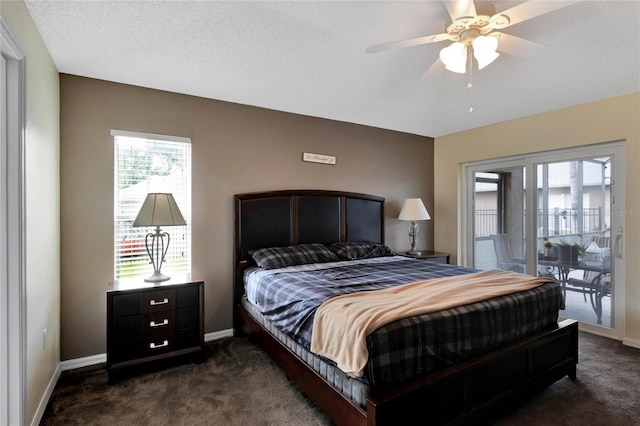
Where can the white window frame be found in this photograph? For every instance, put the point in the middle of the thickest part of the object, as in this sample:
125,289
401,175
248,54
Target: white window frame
183,199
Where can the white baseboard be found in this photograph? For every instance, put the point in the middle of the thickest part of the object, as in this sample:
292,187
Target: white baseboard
631,342
72,364
37,417
217,335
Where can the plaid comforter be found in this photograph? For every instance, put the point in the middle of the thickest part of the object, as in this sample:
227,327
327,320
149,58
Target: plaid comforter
288,297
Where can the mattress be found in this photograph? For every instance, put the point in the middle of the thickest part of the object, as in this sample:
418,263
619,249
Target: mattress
288,297
354,389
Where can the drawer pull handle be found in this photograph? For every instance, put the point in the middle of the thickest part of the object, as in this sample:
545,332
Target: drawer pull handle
154,303
161,345
158,324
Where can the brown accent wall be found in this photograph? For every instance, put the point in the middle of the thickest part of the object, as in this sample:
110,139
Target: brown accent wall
235,149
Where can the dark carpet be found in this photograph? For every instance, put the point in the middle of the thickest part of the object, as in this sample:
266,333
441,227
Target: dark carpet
240,385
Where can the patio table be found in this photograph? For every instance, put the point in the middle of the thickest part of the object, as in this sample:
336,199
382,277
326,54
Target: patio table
596,287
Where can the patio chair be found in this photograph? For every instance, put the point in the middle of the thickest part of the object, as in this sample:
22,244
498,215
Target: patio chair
595,283
504,255
592,281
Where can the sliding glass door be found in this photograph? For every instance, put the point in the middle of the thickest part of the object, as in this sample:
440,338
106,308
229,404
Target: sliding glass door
571,231
574,234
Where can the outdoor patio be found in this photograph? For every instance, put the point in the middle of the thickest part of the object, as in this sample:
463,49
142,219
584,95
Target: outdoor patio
576,306
579,309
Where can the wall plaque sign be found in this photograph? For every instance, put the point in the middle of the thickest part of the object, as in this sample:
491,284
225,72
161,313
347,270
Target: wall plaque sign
318,158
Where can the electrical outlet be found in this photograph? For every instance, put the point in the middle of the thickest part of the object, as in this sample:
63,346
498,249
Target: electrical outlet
44,339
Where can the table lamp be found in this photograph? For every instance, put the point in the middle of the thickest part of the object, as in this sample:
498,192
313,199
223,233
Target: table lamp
158,210
413,210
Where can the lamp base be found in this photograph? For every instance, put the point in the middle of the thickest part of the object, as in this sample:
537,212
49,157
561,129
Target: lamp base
414,252
157,277
157,250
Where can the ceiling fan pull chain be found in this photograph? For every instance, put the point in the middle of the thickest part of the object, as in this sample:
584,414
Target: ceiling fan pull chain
470,84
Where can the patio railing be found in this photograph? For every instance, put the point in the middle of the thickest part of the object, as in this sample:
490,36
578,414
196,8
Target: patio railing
559,221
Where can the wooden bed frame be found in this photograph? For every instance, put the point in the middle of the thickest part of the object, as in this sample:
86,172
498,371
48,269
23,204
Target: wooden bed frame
462,393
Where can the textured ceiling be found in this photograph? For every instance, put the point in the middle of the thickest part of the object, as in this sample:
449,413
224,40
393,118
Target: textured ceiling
308,57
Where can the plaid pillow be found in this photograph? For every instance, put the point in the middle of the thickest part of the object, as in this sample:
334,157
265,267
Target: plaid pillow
354,250
279,257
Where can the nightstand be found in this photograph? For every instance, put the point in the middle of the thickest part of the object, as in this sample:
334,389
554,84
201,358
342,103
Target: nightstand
429,255
151,322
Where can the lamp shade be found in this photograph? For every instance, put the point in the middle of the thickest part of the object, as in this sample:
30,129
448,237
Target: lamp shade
454,57
484,50
159,209
413,209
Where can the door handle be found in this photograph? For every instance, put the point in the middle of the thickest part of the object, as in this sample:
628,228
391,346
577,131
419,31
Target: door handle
617,246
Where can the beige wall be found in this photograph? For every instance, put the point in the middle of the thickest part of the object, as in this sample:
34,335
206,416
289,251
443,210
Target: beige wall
42,168
235,149
596,122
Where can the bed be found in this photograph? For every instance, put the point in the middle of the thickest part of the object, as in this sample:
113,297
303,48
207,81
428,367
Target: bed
451,387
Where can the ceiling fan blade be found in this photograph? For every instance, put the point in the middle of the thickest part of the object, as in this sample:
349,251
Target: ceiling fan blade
434,70
517,46
528,10
460,8
408,42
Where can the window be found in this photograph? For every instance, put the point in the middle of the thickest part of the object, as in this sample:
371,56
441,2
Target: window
145,163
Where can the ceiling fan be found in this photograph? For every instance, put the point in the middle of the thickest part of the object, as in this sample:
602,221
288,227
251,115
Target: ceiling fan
473,33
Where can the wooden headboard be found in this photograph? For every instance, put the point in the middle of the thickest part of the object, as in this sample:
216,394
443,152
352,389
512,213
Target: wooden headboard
291,217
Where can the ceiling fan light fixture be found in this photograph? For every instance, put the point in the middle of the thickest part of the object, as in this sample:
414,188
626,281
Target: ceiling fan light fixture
486,58
454,57
484,50
471,29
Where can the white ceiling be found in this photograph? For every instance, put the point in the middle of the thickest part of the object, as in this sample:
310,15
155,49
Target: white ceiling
308,57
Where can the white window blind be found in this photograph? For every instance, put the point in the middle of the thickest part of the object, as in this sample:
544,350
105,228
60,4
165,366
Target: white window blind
147,163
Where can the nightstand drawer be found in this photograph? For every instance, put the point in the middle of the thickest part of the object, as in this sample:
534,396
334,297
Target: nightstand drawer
124,350
163,320
158,332
189,296
158,345
126,304
188,317
188,337
153,301
125,328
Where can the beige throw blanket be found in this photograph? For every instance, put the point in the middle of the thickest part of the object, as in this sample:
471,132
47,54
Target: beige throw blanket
341,324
